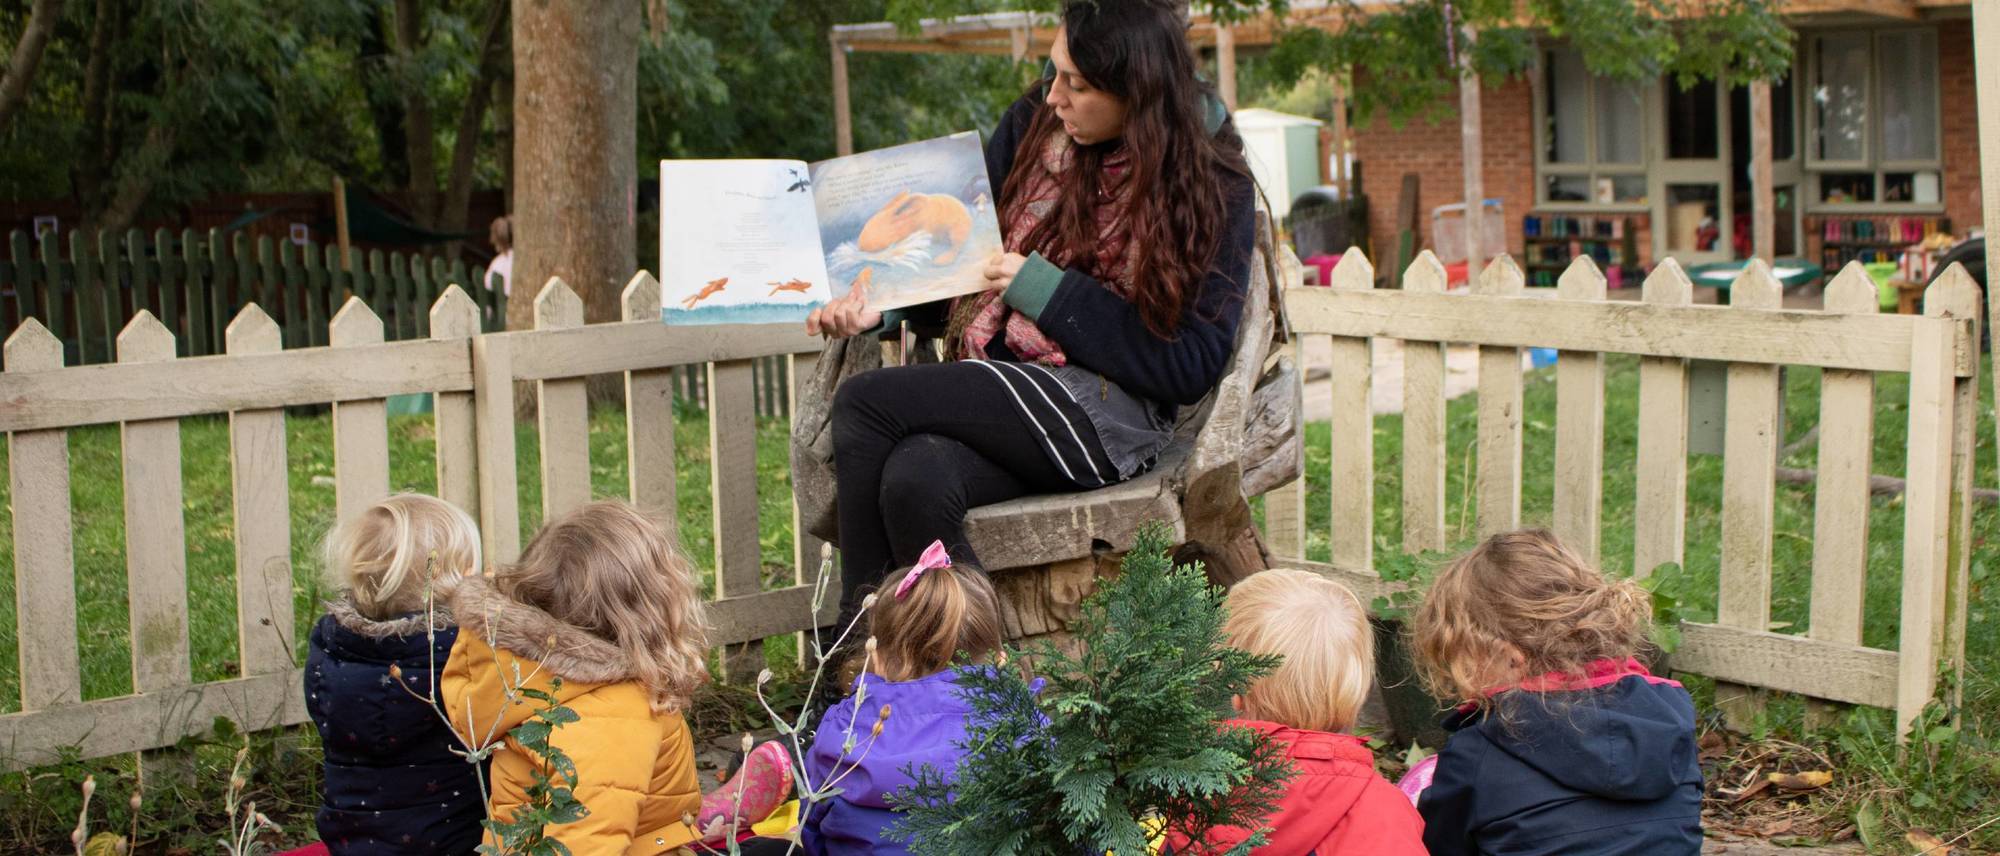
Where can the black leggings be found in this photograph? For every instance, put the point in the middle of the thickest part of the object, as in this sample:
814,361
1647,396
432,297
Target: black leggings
916,447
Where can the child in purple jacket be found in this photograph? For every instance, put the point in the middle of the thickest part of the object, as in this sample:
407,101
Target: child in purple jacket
920,623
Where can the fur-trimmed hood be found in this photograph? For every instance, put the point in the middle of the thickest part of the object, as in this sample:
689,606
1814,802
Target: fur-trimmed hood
348,615
568,652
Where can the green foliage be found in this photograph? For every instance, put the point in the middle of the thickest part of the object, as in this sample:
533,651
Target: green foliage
39,806
551,800
1945,779
1678,595
1128,730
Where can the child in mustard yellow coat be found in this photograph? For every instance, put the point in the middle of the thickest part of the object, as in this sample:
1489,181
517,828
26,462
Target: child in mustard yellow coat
602,600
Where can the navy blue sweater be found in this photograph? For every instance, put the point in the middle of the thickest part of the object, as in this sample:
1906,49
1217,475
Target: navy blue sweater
393,785
1100,331
1605,772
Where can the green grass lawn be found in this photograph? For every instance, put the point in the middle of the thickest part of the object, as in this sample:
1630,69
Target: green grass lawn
1792,551
97,506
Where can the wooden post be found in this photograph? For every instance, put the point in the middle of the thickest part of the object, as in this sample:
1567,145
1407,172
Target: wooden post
1986,59
1473,154
843,109
1763,219
1021,36
1225,65
340,223
1340,176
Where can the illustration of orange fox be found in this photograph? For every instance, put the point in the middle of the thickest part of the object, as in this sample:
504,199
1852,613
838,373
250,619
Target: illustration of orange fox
942,215
714,285
798,285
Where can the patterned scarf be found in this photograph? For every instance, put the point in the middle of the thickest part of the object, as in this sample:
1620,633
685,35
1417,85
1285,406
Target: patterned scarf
977,318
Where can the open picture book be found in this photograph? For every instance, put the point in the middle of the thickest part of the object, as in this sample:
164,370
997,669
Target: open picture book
767,241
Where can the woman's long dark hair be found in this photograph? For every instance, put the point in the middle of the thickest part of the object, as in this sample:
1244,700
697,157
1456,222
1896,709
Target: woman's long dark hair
1137,50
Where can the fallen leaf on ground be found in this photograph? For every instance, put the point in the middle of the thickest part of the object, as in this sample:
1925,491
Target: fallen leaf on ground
1712,746
1926,843
1809,780
1761,786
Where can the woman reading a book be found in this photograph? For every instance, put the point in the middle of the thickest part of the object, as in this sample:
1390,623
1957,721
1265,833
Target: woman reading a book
1128,215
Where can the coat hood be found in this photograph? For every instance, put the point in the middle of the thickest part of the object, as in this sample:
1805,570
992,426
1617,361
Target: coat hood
1616,732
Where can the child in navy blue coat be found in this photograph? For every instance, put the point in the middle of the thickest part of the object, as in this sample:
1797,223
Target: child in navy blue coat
393,784
1563,742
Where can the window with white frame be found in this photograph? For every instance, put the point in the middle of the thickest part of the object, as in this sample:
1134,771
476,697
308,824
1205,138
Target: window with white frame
1873,109
1592,148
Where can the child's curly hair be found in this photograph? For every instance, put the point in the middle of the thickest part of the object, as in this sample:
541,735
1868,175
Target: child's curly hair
387,555
613,572
1522,595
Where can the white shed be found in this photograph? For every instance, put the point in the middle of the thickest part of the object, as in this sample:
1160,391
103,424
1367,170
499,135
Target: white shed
1283,150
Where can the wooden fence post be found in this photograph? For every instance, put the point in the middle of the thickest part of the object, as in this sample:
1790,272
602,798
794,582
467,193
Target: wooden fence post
56,273
1659,509
44,553
1955,295
1352,540
172,271
262,503
1749,490
1579,485
27,302
93,315
313,303
1424,422
1499,487
454,316
360,428
649,419
493,403
1841,499
732,443
155,543
1926,519
269,281
142,274
562,412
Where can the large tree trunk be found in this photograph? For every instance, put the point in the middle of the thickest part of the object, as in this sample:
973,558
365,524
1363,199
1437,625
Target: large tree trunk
576,89
27,57
420,137
465,147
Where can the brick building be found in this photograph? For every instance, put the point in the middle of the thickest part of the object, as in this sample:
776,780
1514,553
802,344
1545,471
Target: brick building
1874,137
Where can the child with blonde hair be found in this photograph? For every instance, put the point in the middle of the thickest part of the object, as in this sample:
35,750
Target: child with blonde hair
928,624
602,600
1562,741
1335,803
392,782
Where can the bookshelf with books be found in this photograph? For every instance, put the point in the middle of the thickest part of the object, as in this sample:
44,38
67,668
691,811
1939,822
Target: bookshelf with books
1871,239
1552,241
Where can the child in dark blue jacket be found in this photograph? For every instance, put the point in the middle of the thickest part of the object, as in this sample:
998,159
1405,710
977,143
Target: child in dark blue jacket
1563,742
393,784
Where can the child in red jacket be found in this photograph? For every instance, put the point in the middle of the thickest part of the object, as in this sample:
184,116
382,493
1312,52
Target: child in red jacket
1335,804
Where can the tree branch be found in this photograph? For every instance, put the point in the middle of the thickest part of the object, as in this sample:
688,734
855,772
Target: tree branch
1878,485
27,57
98,154
465,147
419,133
135,180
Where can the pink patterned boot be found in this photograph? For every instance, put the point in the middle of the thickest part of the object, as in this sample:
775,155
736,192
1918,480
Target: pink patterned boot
765,781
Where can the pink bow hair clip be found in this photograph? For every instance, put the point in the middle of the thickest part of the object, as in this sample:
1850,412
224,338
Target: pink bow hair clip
934,557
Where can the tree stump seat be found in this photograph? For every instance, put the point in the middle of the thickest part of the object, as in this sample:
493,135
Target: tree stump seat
1046,552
